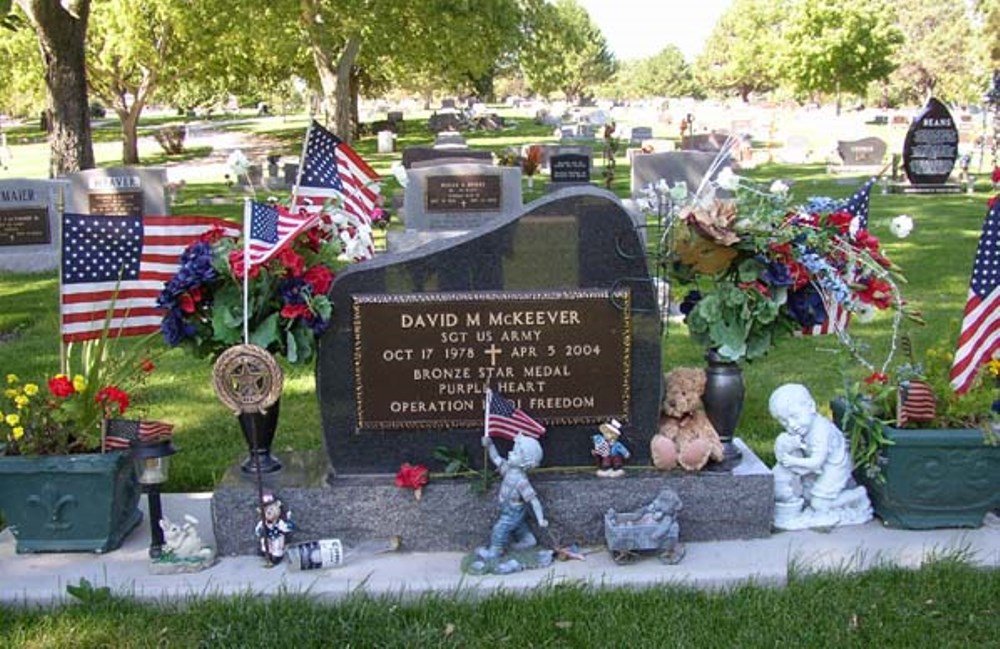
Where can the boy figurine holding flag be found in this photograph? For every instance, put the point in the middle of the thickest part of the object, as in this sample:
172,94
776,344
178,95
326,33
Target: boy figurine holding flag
516,494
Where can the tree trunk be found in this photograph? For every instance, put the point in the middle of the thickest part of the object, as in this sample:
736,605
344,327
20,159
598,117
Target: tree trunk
355,93
335,81
130,137
61,29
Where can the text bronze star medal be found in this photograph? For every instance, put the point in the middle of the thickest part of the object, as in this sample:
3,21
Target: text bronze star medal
246,378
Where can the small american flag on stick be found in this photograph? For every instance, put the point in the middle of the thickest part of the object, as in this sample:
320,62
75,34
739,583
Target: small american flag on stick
124,433
915,402
504,420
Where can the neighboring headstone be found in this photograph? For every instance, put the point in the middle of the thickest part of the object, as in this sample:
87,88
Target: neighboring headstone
29,225
708,142
251,180
931,145
672,166
448,103
457,158
567,131
395,117
460,197
569,168
449,139
449,121
386,141
291,172
795,151
639,134
869,151
133,191
414,154
543,305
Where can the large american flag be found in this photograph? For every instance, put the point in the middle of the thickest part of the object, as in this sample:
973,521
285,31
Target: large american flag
332,169
143,251
123,433
857,206
505,420
979,339
271,228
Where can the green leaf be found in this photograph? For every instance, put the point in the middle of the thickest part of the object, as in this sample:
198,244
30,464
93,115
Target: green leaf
750,270
224,328
291,348
266,333
321,306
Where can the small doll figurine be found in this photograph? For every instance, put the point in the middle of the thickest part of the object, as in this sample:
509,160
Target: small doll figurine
516,496
274,527
608,450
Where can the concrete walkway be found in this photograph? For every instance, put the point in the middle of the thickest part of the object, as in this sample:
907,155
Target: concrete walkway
42,578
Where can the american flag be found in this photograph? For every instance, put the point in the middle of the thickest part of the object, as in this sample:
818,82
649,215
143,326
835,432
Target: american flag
915,402
857,206
332,169
123,433
273,228
505,420
144,251
979,338
837,318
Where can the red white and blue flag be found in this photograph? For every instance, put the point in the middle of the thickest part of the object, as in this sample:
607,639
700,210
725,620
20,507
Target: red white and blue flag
979,339
142,252
505,420
331,169
857,206
271,228
123,433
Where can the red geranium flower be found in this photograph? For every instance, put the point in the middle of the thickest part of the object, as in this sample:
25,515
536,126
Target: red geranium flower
877,377
319,278
996,175
877,292
292,311
113,394
840,220
61,386
236,264
412,476
292,262
866,239
189,301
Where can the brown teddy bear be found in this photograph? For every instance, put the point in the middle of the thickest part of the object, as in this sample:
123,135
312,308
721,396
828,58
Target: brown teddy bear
686,436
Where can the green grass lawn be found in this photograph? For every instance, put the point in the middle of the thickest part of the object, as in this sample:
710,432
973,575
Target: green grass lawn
937,259
945,604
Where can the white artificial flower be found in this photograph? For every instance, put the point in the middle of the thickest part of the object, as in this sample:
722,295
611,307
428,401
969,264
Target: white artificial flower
643,204
679,192
238,162
340,218
727,180
779,187
399,171
864,312
901,226
661,186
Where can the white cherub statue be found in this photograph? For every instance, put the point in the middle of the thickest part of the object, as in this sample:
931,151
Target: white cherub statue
813,484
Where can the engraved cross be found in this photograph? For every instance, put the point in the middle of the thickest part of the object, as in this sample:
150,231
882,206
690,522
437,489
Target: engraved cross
492,352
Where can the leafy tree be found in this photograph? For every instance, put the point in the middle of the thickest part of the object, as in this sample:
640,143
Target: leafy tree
566,52
839,47
989,12
665,74
740,54
22,86
61,28
940,57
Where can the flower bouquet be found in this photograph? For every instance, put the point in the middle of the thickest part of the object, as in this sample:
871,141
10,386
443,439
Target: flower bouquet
287,302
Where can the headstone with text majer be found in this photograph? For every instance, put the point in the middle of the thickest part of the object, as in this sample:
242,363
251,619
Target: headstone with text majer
29,225
931,146
118,191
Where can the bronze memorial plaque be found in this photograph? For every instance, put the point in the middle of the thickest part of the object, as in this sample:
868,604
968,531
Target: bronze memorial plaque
423,360
463,193
116,203
24,226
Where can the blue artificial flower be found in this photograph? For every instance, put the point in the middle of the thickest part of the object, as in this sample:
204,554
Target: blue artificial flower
806,307
291,290
690,301
822,204
175,329
777,274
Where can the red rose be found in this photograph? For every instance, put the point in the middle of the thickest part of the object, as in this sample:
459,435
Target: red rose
412,476
866,239
292,262
113,394
61,386
292,311
840,220
319,278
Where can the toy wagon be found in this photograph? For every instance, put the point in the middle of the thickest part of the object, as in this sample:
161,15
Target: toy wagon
651,529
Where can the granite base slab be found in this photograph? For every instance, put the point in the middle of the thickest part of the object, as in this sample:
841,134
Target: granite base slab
453,516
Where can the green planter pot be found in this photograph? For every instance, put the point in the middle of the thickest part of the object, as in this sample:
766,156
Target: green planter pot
935,478
69,503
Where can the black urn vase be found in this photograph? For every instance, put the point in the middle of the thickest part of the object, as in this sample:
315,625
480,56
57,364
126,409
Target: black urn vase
258,430
723,399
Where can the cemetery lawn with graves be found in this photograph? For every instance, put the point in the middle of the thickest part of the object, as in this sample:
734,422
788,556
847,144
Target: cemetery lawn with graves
945,604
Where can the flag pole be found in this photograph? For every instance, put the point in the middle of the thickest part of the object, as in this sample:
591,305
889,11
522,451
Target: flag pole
247,217
486,429
302,162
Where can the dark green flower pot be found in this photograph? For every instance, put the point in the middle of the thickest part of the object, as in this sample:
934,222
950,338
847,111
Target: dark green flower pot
935,478
69,503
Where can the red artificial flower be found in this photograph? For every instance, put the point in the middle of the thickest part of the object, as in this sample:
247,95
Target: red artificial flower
314,239
236,264
877,292
993,201
212,235
61,386
188,302
319,278
112,394
866,239
147,365
292,311
412,476
996,175
292,262
840,220
877,377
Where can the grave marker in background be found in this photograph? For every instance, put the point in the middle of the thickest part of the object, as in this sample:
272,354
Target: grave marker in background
931,146
132,191
29,225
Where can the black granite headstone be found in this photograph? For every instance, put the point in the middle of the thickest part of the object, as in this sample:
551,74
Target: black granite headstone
866,151
552,307
931,145
570,168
